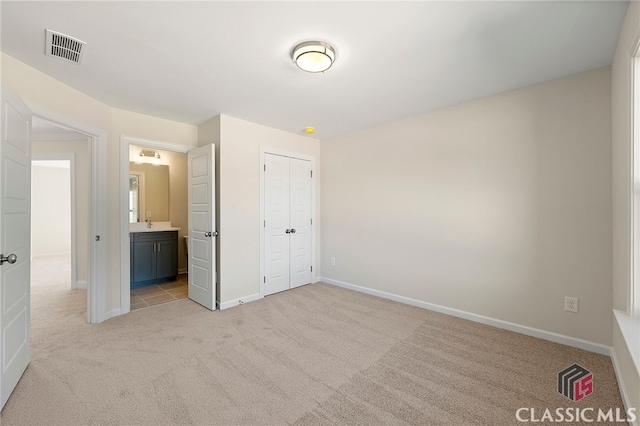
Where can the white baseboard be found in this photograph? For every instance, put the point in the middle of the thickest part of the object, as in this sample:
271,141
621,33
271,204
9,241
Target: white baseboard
522,329
182,271
82,284
240,301
114,313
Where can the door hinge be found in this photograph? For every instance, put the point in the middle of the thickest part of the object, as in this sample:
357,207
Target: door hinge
265,224
265,167
97,237
312,269
312,173
311,220
264,279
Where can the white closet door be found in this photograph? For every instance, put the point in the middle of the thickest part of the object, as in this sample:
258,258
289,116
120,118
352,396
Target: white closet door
300,222
276,213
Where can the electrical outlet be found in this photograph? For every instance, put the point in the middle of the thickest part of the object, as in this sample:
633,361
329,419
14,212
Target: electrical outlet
333,261
571,304
149,215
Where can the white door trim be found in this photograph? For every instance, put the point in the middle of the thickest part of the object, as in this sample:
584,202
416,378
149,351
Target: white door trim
125,255
633,300
71,158
97,285
275,151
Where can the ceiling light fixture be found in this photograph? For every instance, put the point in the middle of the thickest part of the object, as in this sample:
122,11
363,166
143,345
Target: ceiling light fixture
314,56
149,156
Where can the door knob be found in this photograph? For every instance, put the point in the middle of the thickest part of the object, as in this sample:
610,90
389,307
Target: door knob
293,231
287,231
207,234
12,258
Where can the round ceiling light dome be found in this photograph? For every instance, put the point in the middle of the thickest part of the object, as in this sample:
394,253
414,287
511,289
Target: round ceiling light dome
314,56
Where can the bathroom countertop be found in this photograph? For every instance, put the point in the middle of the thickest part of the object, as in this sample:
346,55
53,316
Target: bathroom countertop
159,229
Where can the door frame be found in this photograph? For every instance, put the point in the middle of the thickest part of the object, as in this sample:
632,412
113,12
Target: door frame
71,158
125,252
291,154
97,283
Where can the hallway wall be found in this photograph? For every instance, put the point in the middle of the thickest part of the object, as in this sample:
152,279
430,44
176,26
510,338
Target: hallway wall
50,211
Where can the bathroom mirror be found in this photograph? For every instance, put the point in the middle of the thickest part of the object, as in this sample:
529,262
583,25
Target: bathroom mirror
148,192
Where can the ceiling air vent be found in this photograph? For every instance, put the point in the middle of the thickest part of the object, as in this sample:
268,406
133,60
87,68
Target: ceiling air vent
65,47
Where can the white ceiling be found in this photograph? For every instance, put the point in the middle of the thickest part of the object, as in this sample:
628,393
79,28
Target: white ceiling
189,61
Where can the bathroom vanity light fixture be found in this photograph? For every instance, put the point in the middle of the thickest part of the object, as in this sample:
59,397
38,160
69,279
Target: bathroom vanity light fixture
149,156
313,56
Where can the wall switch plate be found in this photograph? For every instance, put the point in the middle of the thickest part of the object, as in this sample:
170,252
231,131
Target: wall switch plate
571,304
333,261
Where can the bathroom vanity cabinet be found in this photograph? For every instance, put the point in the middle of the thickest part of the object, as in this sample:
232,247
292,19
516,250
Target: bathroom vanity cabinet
154,257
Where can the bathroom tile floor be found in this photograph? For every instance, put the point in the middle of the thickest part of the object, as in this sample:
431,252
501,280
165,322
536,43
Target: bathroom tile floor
155,294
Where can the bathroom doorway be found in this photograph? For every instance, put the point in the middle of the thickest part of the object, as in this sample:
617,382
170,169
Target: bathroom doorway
56,297
156,204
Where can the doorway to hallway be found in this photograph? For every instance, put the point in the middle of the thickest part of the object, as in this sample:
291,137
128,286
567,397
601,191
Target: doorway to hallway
56,291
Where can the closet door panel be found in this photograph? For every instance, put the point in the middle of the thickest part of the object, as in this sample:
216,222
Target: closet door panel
276,205
300,221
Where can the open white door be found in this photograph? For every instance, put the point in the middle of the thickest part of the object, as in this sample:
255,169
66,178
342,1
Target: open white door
202,226
15,222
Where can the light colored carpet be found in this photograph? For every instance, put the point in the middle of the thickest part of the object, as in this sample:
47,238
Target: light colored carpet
314,355
54,306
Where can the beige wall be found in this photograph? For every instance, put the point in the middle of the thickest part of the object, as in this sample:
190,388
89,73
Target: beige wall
50,211
38,89
178,207
239,198
622,154
499,207
80,150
